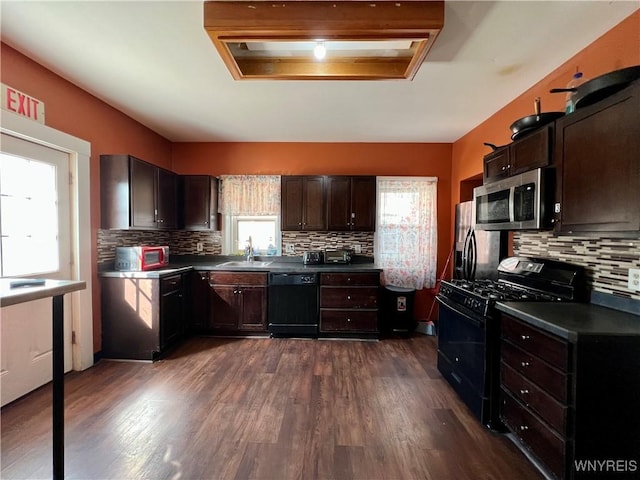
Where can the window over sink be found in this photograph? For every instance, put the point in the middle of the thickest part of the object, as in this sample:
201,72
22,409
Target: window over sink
264,232
250,205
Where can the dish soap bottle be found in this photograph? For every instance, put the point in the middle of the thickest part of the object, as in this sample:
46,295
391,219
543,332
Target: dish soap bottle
570,102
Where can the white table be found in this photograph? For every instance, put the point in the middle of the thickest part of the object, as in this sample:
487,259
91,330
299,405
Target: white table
55,289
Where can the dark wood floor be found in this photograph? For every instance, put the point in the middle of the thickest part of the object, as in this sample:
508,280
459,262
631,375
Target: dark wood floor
262,409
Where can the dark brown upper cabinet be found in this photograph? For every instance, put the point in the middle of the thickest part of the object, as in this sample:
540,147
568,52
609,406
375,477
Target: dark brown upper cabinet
303,203
522,155
136,195
198,202
597,152
351,203
496,164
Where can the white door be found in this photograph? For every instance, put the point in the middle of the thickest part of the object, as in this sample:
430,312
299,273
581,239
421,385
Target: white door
35,223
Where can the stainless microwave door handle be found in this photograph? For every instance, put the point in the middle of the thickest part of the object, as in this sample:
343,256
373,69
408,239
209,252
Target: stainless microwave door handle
512,210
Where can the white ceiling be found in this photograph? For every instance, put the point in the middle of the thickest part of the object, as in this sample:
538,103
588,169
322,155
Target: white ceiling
153,61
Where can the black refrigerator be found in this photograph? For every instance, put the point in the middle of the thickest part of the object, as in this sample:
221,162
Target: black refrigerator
477,253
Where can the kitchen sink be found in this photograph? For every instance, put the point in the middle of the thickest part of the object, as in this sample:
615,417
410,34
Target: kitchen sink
244,263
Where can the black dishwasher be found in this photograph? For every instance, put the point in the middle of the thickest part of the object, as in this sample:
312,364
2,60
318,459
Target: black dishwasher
293,304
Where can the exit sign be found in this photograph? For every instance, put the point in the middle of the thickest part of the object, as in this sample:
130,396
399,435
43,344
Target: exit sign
17,102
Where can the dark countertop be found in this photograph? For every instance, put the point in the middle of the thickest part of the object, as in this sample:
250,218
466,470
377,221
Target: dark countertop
279,264
573,320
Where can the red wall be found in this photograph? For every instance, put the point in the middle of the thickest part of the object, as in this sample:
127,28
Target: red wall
418,159
74,111
618,48
78,113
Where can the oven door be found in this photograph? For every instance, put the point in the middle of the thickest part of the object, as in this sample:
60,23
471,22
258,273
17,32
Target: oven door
462,355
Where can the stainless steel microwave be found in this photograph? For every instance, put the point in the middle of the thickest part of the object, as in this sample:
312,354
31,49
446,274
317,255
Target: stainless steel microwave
520,202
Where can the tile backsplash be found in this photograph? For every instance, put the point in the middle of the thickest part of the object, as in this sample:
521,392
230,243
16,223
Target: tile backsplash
607,260
328,240
182,242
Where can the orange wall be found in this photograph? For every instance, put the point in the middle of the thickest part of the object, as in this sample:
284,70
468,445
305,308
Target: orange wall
76,112
618,48
418,159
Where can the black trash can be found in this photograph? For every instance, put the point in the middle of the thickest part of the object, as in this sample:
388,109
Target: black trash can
397,310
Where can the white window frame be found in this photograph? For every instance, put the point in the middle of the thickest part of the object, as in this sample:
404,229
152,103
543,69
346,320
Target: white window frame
230,229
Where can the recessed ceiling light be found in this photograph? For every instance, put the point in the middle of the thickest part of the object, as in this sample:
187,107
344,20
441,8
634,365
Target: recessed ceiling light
366,41
319,51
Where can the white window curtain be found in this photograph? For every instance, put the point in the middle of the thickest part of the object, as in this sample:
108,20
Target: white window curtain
249,195
406,240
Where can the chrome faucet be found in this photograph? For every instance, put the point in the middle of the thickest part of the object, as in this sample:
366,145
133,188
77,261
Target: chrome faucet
250,250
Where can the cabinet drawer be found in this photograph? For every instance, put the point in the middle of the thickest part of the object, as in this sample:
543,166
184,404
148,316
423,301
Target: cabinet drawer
548,347
554,382
170,284
549,409
345,279
348,321
548,447
237,278
340,297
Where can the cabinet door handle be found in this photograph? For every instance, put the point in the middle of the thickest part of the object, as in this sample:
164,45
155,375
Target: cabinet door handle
524,391
525,337
348,297
348,319
299,224
524,427
525,364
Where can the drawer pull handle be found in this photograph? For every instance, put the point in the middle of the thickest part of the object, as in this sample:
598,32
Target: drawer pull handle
348,297
525,364
348,319
524,391
525,337
457,359
524,427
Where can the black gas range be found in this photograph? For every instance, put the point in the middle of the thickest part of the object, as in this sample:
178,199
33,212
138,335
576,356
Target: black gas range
469,330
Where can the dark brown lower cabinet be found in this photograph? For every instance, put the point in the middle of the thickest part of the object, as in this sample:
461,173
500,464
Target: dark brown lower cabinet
572,402
349,304
141,317
198,306
238,302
